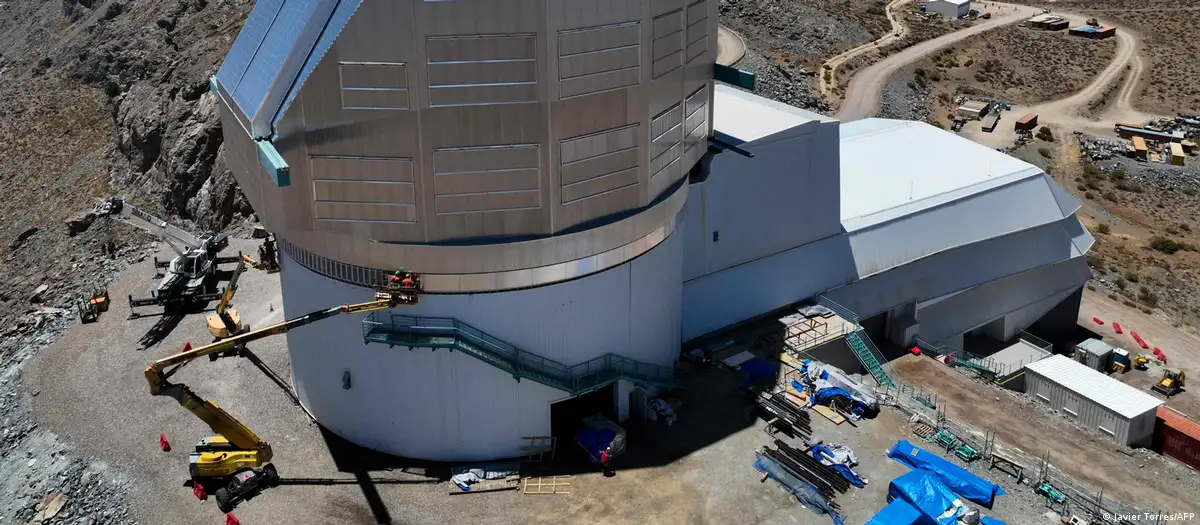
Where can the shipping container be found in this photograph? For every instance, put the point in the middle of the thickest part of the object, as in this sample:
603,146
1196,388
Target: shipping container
1096,354
1029,121
1178,436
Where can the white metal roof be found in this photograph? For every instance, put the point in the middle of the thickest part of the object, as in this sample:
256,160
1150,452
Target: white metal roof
749,117
1095,347
891,163
1123,399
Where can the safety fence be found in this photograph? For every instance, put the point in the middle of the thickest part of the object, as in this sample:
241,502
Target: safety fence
1040,474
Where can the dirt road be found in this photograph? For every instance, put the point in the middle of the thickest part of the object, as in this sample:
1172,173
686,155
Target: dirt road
731,47
898,31
1148,481
865,89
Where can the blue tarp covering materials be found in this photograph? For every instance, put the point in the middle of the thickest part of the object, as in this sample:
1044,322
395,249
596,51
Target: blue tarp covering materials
936,503
826,395
959,480
898,512
594,441
818,450
806,494
755,369
987,520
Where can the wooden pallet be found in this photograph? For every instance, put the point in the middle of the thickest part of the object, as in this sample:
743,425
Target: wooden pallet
829,414
547,485
923,430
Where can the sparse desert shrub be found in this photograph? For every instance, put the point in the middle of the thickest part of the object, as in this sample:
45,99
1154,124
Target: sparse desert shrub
1147,297
1131,276
1045,134
1103,228
1121,283
1110,196
1045,153
1167,245
1117,175
1095,261
1129,186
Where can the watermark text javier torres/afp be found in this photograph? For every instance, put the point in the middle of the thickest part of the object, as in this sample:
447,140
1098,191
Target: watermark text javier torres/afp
1151,517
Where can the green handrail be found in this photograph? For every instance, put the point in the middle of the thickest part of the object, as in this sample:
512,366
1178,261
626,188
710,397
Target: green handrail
438,332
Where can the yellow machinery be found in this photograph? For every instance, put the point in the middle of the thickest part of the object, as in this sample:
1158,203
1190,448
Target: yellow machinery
1171,382
235,459
226,322
1140,362
268,257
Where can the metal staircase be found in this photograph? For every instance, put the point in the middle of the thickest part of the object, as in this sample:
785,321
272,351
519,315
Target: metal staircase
449,333
862,346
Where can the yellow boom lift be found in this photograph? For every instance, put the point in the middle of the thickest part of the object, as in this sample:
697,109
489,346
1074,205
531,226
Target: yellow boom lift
234,460
226,322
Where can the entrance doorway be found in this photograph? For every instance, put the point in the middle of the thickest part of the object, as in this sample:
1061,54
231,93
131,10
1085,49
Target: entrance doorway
565,417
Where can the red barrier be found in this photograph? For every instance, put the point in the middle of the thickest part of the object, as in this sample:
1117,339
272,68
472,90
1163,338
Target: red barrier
230,519
198,490
915,351
1117,327
187,347
1097,320
163,443
1141,342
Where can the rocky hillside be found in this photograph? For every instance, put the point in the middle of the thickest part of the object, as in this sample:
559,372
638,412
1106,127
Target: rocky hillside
103,98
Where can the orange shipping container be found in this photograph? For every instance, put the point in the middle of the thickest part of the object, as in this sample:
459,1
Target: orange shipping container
1139,144
1178,436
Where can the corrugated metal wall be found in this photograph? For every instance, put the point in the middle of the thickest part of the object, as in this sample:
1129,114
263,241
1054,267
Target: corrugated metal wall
960,268
424,404
1178,436
1133,432
448,406
982,304
723,298
783,197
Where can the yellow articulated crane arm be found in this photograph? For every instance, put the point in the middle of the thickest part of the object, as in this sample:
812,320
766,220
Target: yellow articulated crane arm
234,447
226,321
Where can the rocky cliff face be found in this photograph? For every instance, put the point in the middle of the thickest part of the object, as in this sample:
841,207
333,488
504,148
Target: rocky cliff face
100,98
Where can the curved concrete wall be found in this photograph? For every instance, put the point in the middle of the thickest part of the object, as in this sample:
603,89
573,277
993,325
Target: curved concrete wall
446,405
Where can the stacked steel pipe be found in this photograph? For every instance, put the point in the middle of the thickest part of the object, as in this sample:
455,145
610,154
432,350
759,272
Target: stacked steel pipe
793,420
801,464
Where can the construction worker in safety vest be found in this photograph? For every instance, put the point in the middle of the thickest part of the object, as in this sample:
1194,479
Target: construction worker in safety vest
407,282
395,279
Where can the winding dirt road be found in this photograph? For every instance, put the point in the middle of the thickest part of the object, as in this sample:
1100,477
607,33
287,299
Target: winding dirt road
866,87
731,47
898,31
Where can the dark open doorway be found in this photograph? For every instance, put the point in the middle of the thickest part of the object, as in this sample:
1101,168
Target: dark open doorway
565,417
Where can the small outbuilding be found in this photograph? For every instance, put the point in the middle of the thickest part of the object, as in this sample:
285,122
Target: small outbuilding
1177,155
1096,354
1140,150
949,9
1093,400
974,110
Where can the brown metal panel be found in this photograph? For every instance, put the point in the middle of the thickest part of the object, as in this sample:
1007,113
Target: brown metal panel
599,82
480,16
372,99
573,193
667,162
379,32
696,11
668,24
373,75
591,39
483,202
366,211
660,7
576,14
362,169
364,192
486,181
599,166
482,95
474,73
466,48
600,143
481,158
599,62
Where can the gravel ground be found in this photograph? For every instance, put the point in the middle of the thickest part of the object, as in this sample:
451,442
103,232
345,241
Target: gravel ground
39,472
771,82
906,97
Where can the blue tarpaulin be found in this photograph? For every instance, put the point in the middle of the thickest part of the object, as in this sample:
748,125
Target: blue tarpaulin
898,512
936,503
805,493
844,470
826,395
755,369
959,480
594,441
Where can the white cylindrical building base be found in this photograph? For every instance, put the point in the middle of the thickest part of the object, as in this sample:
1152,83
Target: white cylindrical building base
446,405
